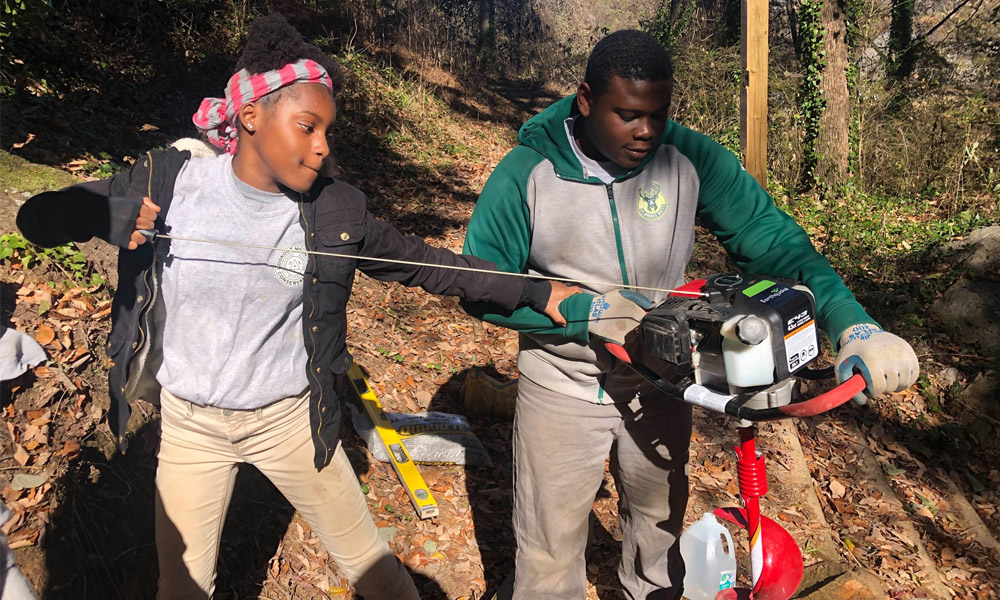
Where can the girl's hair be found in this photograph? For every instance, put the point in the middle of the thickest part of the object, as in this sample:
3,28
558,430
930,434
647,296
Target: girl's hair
273,43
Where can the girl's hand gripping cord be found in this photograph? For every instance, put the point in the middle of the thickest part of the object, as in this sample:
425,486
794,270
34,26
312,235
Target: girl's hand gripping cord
613,316
886,361
144,221
560,292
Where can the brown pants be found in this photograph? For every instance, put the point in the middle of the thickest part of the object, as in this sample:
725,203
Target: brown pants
199,451
560,445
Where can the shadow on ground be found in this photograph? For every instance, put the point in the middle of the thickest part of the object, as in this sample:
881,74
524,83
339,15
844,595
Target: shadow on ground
101,543
490,493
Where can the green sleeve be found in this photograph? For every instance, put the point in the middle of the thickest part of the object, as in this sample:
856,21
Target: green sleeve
500,232
760,238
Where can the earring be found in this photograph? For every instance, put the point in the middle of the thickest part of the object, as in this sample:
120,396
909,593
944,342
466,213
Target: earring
250,126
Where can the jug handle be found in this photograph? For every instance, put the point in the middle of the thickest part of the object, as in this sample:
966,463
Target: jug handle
729,541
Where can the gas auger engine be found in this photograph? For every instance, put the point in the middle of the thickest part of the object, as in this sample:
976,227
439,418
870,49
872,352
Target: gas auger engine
744,332
741,341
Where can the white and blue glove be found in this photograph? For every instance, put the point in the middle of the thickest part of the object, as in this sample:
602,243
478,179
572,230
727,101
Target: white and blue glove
614,315
886,361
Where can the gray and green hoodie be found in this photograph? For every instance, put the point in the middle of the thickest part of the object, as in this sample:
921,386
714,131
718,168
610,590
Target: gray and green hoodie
542,213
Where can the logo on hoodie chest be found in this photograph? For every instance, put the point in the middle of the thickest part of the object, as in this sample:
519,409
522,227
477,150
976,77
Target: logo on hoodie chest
652,204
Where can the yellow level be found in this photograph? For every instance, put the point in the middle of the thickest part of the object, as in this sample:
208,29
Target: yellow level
424,503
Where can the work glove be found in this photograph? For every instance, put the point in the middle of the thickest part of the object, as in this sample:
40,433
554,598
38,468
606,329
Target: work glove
615,315
886,361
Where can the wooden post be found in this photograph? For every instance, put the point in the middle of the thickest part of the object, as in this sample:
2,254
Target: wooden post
753,92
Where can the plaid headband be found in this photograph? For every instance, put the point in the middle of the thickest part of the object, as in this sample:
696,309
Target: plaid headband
217,116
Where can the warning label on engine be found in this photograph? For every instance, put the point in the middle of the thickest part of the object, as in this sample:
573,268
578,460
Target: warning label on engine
801,345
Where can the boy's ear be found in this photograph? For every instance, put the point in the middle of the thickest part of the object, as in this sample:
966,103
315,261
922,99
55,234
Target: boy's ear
584,99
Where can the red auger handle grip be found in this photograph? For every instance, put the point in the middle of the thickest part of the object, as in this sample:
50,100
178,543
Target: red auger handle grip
827,401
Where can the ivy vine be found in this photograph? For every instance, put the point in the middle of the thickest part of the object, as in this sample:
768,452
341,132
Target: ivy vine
811,100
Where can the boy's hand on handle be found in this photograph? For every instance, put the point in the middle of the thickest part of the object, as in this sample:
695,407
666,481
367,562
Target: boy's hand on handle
615,315
560,291
886,361
145,220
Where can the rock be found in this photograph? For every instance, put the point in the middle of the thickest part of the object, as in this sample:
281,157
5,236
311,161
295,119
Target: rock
950,375
980,408
834,581
970,312
970,309
979,251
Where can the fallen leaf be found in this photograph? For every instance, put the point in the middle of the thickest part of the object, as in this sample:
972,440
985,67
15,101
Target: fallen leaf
892,470
20,454
387,533
45,335
23,481
837,489
17,145
71,447
13,522
20,540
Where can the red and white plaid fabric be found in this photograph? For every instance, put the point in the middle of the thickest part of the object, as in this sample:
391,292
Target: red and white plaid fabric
217,116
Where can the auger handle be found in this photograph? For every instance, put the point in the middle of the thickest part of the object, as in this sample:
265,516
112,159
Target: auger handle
685,389
826,401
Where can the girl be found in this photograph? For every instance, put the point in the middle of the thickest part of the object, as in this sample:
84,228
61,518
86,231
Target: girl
242,344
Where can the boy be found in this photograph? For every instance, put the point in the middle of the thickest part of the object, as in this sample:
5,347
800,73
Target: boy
603,187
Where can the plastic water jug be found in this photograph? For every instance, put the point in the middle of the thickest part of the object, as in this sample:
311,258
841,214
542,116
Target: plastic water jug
711,566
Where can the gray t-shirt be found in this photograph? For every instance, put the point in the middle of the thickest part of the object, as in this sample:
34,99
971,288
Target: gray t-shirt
605,171
229,317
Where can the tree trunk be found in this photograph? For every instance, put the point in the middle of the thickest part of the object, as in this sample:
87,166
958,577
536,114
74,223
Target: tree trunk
487,35
832,143
901,54
793,26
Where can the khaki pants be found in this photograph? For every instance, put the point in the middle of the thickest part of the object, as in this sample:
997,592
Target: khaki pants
560,445
199,451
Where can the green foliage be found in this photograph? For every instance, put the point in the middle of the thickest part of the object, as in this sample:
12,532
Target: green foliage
68,258
382,109
672,19
812,103
23,176
14,12
706,97
869,236
941,146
